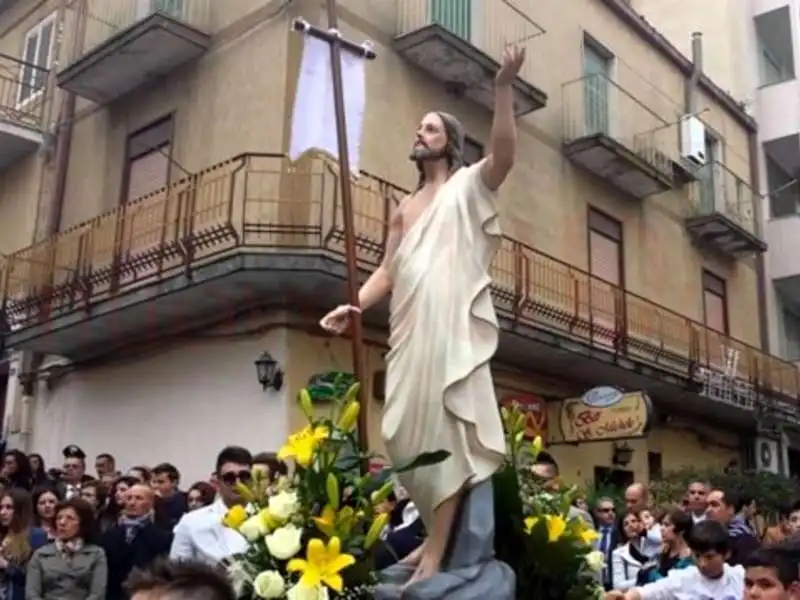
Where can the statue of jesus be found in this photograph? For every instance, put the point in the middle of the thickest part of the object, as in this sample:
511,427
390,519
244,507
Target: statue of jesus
443,327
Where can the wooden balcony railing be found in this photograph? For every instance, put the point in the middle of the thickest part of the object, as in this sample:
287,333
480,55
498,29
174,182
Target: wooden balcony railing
262,203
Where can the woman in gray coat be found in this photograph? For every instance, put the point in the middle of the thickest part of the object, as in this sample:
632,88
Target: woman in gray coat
69,568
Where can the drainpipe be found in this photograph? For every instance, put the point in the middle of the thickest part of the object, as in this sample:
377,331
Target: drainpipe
32,361
690,100
761,270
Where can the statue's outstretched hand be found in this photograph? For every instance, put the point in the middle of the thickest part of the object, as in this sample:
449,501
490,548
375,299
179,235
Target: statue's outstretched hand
338,320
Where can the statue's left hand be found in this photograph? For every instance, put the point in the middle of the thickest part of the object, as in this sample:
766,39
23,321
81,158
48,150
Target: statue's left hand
510,65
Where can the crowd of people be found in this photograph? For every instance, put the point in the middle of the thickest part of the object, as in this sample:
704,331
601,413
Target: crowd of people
67,535
707,546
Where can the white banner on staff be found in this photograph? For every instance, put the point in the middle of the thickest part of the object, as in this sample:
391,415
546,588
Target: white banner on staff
314,116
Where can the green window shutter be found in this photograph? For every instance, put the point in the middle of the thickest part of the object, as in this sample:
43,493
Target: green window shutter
173,8
453,15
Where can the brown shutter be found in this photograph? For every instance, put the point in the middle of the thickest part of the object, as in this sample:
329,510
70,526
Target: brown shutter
605,258
715,302
148,173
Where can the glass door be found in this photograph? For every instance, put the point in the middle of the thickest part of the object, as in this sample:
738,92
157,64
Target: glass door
453,15
596,71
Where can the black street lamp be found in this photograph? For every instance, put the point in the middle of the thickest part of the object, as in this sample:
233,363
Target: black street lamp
269,372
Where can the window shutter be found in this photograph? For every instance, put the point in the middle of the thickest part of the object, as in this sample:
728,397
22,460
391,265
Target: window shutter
148,173
43,55
453,15
715,311
605,258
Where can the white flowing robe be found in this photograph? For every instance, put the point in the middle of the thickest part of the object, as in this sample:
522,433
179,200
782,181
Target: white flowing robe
444,332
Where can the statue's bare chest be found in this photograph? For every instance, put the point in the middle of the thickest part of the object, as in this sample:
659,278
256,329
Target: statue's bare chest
414,207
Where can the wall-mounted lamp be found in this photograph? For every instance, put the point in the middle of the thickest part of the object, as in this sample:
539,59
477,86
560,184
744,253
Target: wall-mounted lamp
269,372
623,454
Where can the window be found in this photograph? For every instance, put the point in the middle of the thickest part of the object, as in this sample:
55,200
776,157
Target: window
597,63
715,303
36,57
473,151
148,153
605,248
784,193
791,329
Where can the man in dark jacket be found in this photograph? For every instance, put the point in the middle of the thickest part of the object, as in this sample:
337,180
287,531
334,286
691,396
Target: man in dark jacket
135,542
726,507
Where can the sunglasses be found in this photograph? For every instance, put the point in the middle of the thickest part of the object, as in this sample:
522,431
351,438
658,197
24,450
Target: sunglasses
231,478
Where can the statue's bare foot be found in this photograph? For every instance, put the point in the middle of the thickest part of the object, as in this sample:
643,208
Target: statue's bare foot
429,565
412,560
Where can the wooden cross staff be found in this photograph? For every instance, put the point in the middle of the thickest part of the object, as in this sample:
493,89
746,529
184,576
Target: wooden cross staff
337,43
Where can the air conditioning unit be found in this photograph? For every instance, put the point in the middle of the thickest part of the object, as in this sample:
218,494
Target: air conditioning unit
693,140
767,455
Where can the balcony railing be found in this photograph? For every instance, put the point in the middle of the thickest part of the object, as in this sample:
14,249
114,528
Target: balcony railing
489,27
106,18
594,104
22,92
720,190
261,203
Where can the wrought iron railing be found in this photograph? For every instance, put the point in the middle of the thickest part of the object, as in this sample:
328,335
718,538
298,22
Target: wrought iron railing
489,27
595,104
22,91
262,203
720,190
107,18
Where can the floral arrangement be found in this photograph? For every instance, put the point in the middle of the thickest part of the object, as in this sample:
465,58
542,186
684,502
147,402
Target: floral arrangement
312,536
558,558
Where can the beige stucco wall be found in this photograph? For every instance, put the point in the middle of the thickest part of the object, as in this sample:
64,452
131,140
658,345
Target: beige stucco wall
236,99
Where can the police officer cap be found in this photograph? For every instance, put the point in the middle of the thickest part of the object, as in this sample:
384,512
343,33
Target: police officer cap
73,451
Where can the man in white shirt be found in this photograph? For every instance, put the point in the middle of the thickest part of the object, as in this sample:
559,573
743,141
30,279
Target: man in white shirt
200,535
711,578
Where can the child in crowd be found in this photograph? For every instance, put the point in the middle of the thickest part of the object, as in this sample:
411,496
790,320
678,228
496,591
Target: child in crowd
710,577
772,574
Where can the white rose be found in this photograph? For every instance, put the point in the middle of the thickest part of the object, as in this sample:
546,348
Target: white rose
254,528
305,592
284,542
595,560
269,584
283,505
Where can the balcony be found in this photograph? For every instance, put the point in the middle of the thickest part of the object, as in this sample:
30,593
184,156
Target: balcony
131,42
254,230
460,42
611,133
22,98
724,213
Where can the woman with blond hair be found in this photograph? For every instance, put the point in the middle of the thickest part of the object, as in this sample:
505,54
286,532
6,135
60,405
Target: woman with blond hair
19,540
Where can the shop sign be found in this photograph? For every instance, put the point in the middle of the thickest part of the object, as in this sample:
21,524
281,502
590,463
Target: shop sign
604,414
535,410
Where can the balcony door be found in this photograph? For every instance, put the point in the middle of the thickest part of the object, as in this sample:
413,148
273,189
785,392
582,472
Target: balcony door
454,15
711,179
597,73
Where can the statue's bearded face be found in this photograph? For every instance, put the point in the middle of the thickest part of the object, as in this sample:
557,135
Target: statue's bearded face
431,140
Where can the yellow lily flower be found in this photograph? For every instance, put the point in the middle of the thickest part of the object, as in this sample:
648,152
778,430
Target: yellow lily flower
331,522
302,445
556,526
589,536
235,516
322,564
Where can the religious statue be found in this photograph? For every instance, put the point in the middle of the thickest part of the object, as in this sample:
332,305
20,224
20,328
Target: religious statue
443,334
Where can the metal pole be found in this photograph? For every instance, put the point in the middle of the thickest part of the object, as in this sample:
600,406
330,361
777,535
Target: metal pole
347,214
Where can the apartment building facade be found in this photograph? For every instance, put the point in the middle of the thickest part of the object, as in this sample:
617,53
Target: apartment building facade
751,49
157,242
